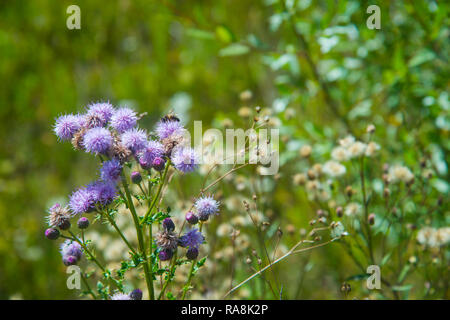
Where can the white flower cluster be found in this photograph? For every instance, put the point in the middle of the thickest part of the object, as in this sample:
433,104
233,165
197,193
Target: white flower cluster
433,237
349,148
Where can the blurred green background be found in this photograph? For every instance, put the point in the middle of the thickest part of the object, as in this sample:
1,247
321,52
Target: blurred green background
196,57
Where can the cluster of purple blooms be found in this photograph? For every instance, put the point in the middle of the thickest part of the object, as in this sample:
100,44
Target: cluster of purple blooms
113,135
167,241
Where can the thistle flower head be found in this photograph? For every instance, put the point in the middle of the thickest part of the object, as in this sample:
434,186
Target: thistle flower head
400,173
123,119
165,128
357,149
192,239
165,255
353,209
67,125
71,248
136,294
101,111
97,140
102,193
340,154
111,170
58,216
207,206
134,139
185,159
81,201
152,150
167,240
120,296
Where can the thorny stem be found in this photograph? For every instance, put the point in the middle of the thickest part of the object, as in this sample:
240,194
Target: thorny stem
147,273
158,192
88,288
191,272
92,257
113,223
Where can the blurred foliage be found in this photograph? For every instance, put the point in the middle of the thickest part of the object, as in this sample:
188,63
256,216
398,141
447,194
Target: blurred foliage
314,64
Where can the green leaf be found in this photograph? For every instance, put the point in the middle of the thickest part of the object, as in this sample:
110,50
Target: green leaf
200,34
402,288
421,57
234,49
224,34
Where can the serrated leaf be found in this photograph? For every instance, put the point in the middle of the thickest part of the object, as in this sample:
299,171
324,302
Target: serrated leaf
234,49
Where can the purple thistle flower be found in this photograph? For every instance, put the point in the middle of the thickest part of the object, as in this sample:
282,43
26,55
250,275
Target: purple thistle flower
134,139
111,170
192,239
97,140
206,206
102,111
136,294
152,150
102,193
81,201
120,296
165,129
67,125
123,119
69,260
185,159
71,248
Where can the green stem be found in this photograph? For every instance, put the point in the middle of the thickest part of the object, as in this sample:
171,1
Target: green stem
171,270
88,288
147,273
191,273
111,220
158,192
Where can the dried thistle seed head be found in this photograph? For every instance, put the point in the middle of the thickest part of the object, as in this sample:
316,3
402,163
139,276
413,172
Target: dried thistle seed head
244,112
77,140
339,211
254,252
254,197
248,260
59,217
311,174
120,152
370,128
259,261
305,151
290,228
167,240
299,179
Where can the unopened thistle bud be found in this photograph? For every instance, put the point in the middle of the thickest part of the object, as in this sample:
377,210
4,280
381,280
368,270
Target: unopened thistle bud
64,225
70,260
346,288
136,177
349,191
168,224
136,294
165,255
371,219
191,218
192,253
83,223
158,164
386,192
52,233
339,212
370,128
